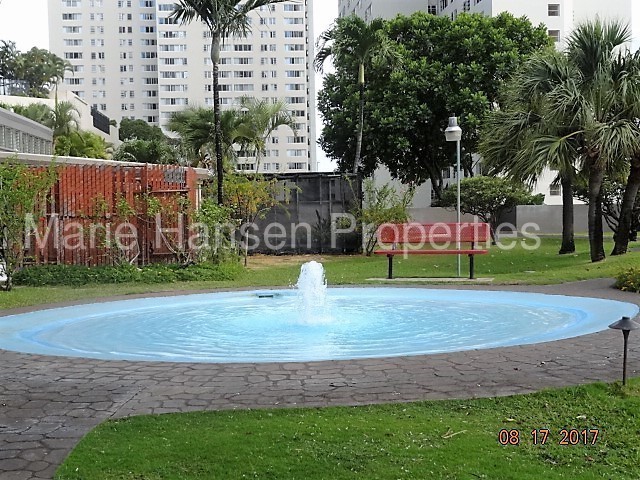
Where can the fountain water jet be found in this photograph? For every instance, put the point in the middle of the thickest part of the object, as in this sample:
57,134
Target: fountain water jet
312,293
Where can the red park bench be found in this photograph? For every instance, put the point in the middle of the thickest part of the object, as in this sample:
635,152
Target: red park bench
432,239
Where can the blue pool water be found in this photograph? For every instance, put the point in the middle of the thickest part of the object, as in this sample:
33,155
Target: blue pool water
272,326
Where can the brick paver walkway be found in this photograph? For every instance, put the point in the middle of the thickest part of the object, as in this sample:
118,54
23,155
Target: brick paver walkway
48,403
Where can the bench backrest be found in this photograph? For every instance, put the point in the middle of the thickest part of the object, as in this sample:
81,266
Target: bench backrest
436,233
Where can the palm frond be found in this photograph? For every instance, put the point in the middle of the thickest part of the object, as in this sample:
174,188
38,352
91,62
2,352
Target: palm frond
615,140
592,44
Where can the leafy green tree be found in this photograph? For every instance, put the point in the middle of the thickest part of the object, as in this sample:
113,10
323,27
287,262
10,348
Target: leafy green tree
33,73
223,18
380,205
145,151
22,193
139,130
612,195
250,197
8,55
352,39
446,67
488,198
216,228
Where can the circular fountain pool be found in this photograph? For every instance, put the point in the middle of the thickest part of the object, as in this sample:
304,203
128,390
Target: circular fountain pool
277,326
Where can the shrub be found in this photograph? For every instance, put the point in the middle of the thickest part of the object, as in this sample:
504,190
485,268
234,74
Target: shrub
76,275
629,280
157,274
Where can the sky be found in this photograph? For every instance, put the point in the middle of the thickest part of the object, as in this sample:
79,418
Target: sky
25,22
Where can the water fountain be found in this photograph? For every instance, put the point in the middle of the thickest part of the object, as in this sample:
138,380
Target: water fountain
311,322
312,293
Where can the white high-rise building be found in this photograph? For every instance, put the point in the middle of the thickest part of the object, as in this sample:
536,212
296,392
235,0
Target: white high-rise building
130,60
369,9
559,16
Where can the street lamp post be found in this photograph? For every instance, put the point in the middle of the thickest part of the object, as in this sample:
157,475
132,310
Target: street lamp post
453,133
626,325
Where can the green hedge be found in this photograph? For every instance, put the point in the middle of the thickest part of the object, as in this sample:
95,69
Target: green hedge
74,275
629,280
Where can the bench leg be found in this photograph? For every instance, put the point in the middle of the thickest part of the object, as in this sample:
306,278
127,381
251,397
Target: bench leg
390,272
471,270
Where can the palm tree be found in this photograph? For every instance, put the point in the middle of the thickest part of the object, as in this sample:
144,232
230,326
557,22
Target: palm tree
223,18
64,119
588,113
519,142
599,101
38,112
353,38
196,128
629,66
260,118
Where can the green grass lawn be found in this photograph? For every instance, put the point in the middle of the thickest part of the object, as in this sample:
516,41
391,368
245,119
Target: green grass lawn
440,440
515,266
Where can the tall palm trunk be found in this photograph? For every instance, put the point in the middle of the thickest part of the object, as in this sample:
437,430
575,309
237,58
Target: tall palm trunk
626,210
568,243
356,160
215,59
596,240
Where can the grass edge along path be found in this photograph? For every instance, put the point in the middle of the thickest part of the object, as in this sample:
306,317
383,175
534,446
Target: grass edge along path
450,439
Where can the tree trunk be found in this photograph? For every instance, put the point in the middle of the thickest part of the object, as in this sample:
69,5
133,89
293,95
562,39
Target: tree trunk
215,59
436,185
625,221
356,160
596,240
568,243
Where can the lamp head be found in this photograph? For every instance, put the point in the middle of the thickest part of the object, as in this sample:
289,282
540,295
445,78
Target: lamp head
625,323
453,133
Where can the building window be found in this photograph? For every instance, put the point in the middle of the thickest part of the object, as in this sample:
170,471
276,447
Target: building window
554,190
555,35
553,10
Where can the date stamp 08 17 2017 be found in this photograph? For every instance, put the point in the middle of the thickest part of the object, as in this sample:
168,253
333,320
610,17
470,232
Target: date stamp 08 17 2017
542,436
